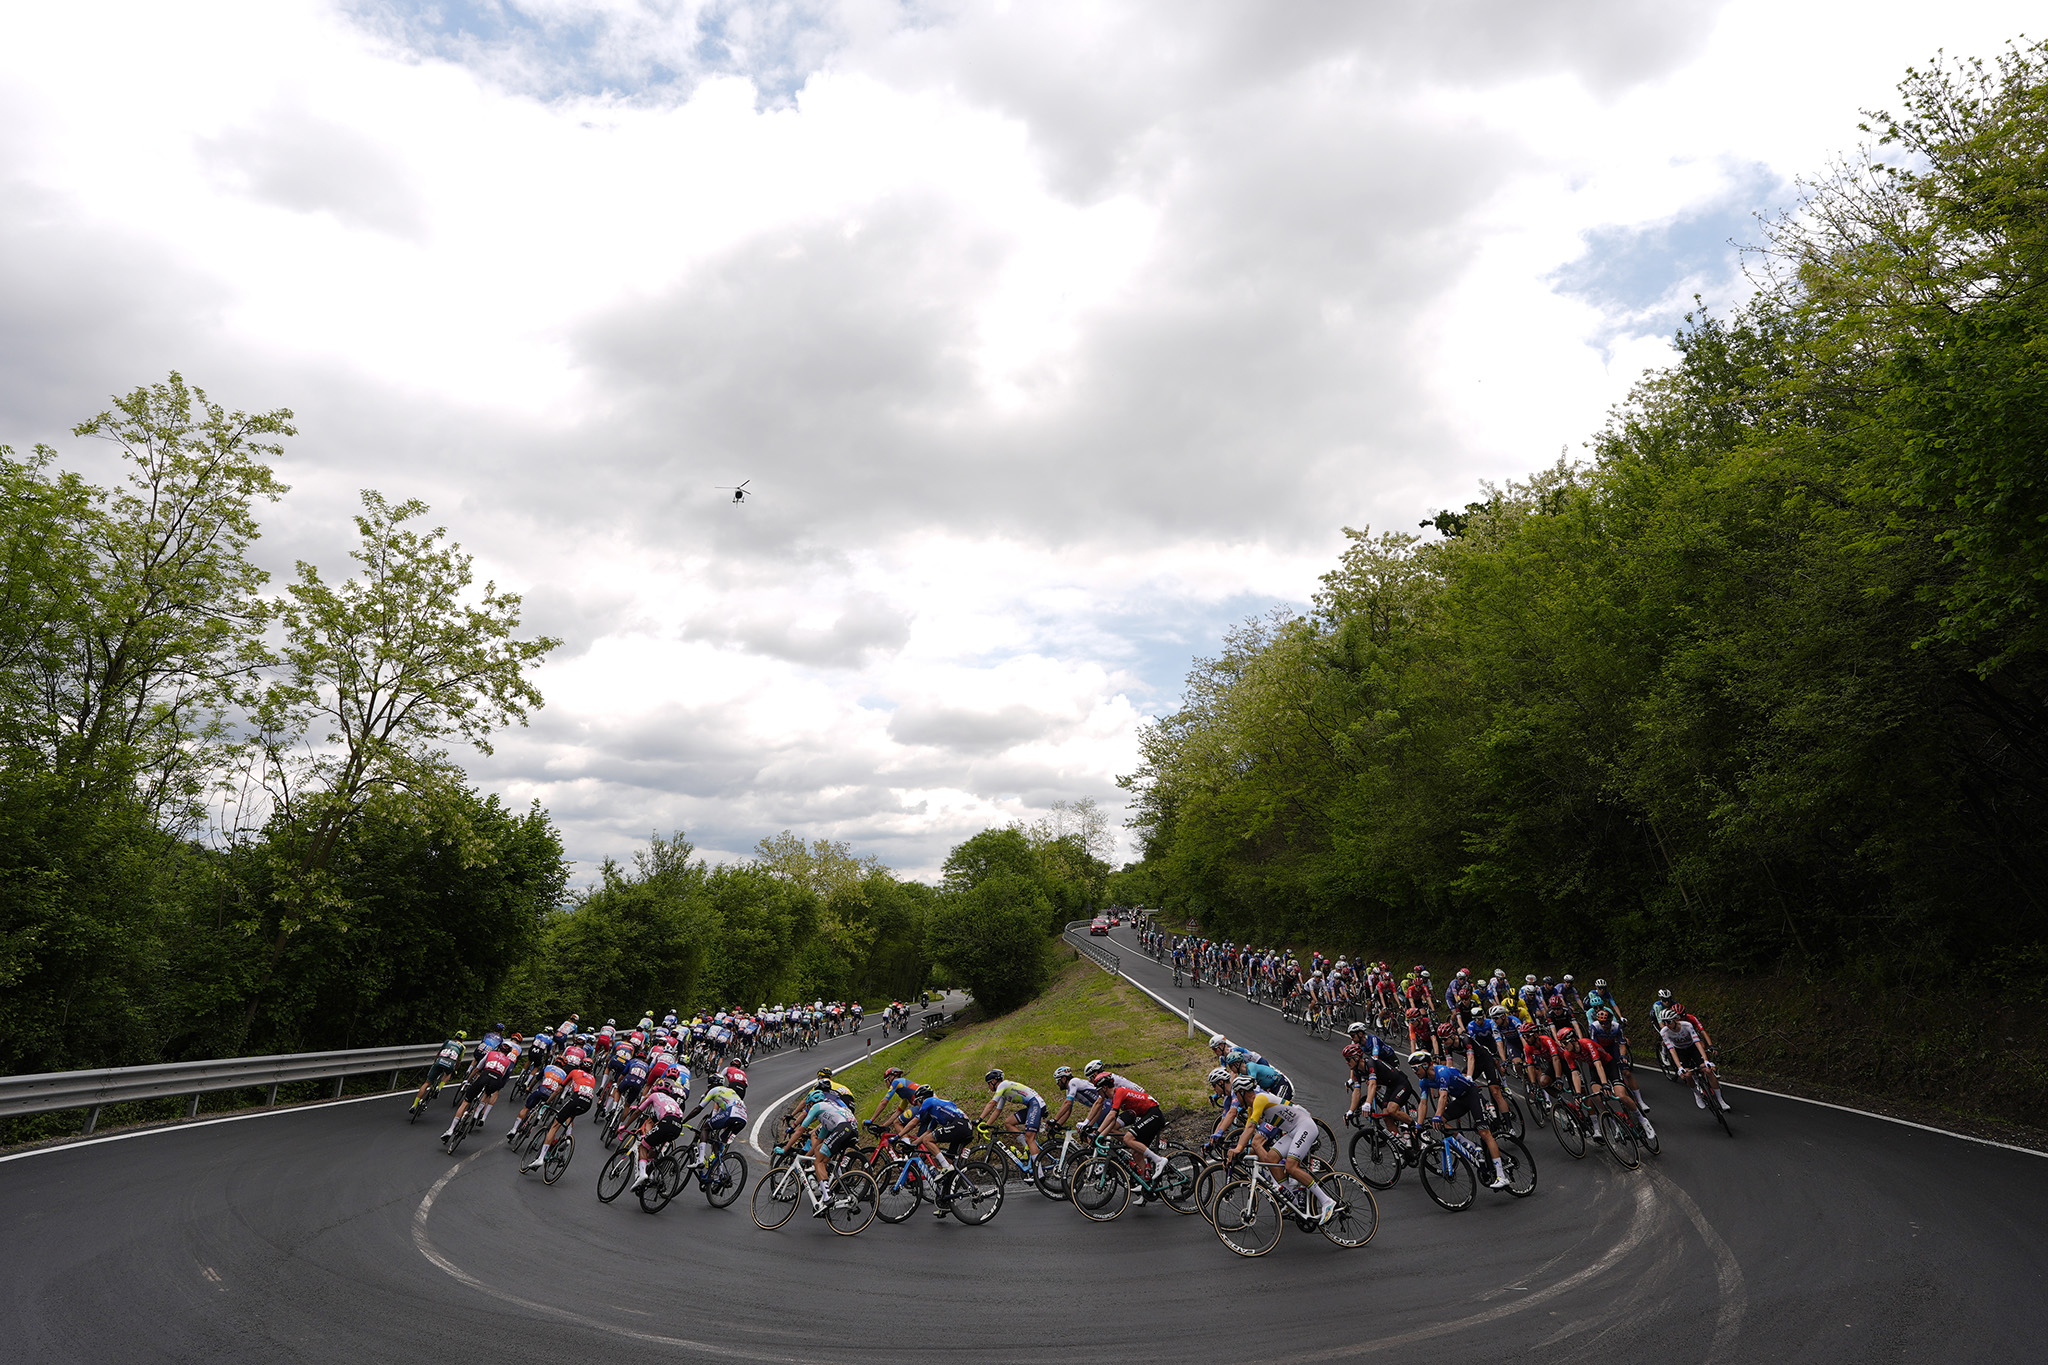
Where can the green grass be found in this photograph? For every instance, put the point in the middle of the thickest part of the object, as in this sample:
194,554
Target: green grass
1085,1013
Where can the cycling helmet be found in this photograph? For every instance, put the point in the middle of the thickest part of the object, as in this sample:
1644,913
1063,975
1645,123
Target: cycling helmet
1237,1056
1530,1026
1602,1016
1567,978
611,1023
500,1028
518,1037
1218,1076
461,1037
992,1075
575,1016
1094,1066
1600,983
1530,979
1567,1030
1355,1029
1414,1012
1425,975
1062,1074
1663,995
1244,1085
1477,1011
1217,1040
1099,1078
1464,972
815,1097
893,1073
1421,1058
507,1045
1497,1012
921,1094
1353,1053
824,1073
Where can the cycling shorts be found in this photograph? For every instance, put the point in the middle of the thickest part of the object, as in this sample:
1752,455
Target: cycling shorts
1285,1090
725,1123
574,1105
438,1070
1146,1128
1465,1106
484,1083
1402,1094
536,1096
953,1136
1031,1116
843,1139
1688,1055
1292,1142
1484,1068
668,1130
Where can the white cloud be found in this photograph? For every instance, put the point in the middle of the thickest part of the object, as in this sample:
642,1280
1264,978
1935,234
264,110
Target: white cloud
1051,336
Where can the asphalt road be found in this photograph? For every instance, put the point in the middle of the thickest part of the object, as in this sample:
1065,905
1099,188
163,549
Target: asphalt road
344,1234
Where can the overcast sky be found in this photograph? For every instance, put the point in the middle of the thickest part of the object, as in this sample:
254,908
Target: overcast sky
1053,337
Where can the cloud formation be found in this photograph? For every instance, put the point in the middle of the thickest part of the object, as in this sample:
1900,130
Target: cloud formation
1052,337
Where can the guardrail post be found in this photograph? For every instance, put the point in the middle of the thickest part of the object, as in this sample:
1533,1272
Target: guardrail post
273,1094
394,1081
1191,1016
339,1082
192,1109
92,1118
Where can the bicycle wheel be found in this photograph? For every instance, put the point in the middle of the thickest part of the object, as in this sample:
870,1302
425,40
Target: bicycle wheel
1620,1135
1209,1183
725,1179
1358,1214
1177,1182
418,1106
977,1193
557,1160
1248,1219
1325,1145
1053,1176
1539,1107
1447,1177
775,1198
1100,1190
611,1181
900,1189
1520,1166
853,1199
1720,1114
1564,1124
1376,1158
1647,1140
663,1181
462,1130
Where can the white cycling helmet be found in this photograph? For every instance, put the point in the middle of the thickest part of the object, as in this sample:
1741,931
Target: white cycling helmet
1217,1040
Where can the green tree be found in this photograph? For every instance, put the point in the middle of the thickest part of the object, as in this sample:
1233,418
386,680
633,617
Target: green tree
991,939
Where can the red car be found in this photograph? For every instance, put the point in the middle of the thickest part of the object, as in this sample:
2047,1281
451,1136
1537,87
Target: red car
1100,926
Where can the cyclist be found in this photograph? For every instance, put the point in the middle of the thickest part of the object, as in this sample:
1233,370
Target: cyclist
445,1062
1688,1046
488,1044
1606,1031
662,1122
1448,1094
483,1085
936,1123
551,1080
900,1090
1240,1063
837,1130
579,1091
1482,1055
1121,1105
1029,1116
1223,1094
725,1105
1383,1090
1611,1072
1279,1134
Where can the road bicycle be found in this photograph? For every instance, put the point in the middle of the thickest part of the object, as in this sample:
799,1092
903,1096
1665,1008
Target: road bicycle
1101,1184
421,1101
1449,1163
720,1173
971,1191
471,1120
1709,1098
1006,1154
848,1202
1251,1213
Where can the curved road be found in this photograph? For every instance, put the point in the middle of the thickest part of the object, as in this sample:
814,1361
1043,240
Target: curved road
343,1234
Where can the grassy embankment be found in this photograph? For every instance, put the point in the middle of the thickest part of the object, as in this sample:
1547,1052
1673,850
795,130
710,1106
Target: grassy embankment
1085,1013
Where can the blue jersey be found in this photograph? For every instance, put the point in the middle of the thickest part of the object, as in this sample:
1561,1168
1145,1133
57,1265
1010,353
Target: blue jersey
1266,1076
938,1113
489,1044
1446,1078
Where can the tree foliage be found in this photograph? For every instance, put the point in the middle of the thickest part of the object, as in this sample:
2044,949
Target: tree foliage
1765,677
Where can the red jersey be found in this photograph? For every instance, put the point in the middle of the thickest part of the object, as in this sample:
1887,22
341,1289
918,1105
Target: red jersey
582,1083
1130,1098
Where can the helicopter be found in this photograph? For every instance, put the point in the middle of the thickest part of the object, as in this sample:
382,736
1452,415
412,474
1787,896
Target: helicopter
739,492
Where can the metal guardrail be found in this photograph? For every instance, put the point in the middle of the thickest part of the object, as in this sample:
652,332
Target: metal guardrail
1103,957
91,1090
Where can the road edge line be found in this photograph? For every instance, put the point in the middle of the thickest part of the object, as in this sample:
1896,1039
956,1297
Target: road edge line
188,1124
